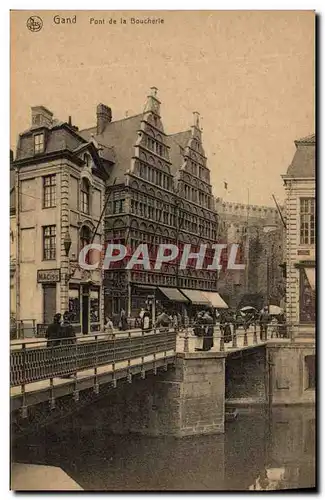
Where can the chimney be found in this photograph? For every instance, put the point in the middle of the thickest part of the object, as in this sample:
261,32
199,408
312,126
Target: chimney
104,116
41,117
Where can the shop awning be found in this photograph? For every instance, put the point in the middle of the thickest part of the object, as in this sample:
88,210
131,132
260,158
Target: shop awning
173,294
310,273
196,297
215,300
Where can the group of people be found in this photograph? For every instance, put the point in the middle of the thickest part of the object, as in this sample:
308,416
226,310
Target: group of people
204,327
60,331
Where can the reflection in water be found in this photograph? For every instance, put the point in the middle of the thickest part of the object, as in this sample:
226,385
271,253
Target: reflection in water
256,453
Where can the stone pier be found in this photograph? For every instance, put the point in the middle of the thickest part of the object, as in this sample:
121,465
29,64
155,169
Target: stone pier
188,400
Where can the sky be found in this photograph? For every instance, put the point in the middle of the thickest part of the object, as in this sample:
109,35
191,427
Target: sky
250,75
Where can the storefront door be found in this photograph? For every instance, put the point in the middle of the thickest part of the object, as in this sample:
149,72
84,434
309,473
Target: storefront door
49,303
85,313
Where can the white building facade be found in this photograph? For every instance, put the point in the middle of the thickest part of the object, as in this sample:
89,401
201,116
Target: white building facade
300,187
59,181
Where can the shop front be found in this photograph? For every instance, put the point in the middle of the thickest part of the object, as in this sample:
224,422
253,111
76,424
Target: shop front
84,308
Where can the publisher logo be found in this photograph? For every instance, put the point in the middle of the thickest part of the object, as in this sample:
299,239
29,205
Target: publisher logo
34,23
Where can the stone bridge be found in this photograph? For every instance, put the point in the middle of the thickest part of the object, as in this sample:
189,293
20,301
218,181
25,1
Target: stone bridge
157,383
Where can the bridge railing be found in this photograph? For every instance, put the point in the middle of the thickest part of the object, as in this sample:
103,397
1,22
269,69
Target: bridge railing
243,337
36,360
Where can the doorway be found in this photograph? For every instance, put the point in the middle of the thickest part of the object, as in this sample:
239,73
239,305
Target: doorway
85,313
49,303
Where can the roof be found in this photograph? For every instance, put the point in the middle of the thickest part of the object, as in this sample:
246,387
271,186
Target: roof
118,141
177,143
310,139
303,162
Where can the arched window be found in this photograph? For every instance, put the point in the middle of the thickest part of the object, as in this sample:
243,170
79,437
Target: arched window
87,159
85,196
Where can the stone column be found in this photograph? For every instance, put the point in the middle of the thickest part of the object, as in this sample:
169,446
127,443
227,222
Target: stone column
65,226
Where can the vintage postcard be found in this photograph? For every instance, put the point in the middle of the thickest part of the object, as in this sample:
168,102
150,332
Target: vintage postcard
162,250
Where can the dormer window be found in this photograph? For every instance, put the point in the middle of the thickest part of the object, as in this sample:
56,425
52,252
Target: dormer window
39,143
87,160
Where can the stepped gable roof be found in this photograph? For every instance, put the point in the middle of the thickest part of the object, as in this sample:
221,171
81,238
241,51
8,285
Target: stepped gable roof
118,141
303,162
177,144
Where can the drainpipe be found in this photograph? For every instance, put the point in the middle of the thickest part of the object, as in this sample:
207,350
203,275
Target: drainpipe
17,277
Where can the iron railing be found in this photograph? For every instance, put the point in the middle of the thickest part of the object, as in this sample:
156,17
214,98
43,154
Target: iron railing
35,361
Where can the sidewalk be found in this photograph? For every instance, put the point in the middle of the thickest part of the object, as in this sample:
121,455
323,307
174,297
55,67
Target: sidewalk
89,337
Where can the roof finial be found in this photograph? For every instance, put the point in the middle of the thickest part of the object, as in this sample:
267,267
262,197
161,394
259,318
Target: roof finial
196,116
154,91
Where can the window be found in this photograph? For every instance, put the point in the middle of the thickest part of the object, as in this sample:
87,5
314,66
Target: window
118,206
49,242
307,221
310,371
85,196
306,299
85,238
94,305
49,191
87,159
74,305
38,143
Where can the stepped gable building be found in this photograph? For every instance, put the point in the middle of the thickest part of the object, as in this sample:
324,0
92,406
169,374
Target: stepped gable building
300,188
259,231
159,192
57,195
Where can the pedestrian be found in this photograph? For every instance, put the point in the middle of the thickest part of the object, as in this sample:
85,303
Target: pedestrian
68,334
264,320
53,332
163,321
109,328
208,330
68,339
282,326
145,321
123,324
225,328
175,321
198,325
180,320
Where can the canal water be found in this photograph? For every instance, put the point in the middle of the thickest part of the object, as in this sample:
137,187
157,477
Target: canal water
257,451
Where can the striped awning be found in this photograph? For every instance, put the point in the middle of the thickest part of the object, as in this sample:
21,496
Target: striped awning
196,297
173,294
215,300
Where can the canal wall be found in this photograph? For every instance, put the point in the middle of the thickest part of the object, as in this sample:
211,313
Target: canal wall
292,373
246,377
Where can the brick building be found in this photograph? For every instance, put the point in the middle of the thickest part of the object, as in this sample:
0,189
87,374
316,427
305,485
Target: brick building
159,192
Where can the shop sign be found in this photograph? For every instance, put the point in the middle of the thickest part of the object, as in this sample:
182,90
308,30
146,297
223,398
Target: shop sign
48,275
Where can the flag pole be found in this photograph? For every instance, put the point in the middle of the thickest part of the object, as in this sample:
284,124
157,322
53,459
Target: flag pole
247,242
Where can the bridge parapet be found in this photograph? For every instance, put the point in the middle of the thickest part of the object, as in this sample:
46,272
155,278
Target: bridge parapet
37,367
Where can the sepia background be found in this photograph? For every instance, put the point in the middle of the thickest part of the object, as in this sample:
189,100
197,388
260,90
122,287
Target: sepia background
250,74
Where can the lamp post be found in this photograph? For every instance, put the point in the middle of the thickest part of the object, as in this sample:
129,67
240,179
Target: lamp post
268,229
